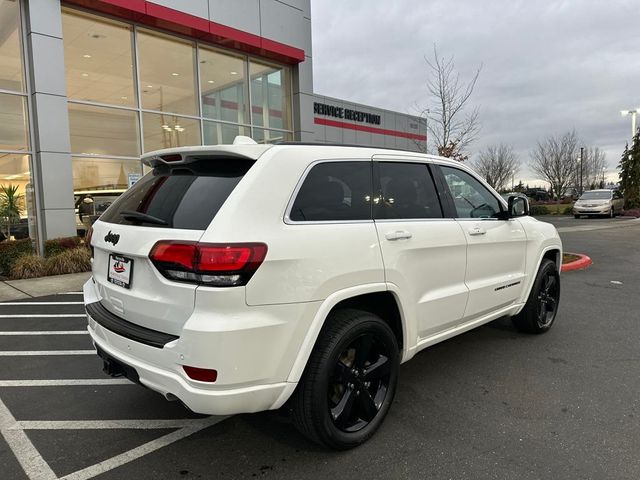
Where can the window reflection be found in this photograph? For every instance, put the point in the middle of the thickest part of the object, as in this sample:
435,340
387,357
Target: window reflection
223,86
103,131
11,77
167,78
103,173
222,133
167,131
13,123
270,136
98,60
270,96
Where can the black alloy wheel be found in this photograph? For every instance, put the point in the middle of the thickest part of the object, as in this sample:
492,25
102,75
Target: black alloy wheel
539,313
359,383
349,382
548,299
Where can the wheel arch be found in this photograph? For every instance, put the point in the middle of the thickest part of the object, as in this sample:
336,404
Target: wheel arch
551,252
373,298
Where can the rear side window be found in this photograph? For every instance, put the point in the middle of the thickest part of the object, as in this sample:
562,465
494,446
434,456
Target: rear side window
186,196
334,191
408,191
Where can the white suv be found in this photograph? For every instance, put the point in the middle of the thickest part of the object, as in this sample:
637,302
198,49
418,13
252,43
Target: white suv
236,278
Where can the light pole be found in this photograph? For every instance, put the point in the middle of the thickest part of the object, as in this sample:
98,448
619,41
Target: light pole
633,112
581,162
603,169
513,172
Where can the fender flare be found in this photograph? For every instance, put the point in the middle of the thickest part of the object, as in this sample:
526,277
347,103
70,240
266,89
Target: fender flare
321,315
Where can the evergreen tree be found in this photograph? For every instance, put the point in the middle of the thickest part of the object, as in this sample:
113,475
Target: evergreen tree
630,173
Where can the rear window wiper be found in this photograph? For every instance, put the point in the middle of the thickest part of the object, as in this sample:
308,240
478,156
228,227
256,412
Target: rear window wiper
143,217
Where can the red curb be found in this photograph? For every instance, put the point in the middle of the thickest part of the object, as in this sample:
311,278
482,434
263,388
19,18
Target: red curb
583,262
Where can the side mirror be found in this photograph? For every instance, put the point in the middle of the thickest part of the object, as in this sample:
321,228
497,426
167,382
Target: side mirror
518,206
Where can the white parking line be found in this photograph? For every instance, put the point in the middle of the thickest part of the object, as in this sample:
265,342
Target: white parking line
28,456
65,383
44,315
142,450
45,332
25,353
40,303
71,293
104,424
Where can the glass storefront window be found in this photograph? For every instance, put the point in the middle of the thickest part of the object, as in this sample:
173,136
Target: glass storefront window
103,131
98,60
13,123
15,177
223,86
102,174
261,135
222,133
11,76
270,96
166,131
167,73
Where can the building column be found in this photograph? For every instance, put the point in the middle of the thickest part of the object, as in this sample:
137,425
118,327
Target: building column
52,172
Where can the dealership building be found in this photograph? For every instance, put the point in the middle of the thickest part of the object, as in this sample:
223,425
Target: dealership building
87,86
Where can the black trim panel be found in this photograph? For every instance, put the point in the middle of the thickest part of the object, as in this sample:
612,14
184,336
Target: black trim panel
129,330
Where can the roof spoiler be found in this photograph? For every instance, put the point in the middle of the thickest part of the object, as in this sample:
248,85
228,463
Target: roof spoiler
243,148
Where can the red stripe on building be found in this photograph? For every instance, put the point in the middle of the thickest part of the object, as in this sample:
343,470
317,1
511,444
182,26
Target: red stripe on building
366,128
165,18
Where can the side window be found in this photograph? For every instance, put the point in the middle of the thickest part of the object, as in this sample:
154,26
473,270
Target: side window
617,194
408,191
334,191
470,197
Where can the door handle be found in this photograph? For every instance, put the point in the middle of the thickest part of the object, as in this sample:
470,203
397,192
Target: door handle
477,231
398,235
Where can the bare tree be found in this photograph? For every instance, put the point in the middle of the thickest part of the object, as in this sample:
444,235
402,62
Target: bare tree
497,164
451,126
554,160
594,162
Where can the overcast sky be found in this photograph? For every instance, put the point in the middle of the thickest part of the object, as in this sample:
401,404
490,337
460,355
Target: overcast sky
547,66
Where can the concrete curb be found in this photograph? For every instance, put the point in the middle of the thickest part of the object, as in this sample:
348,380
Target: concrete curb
583,262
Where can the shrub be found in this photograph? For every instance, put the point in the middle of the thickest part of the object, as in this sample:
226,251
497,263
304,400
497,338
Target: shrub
74,260
58,245
538,210
632,213
12,250
28,266
568,210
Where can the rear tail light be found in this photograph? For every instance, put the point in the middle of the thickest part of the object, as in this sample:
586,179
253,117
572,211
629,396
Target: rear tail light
211,264
201,374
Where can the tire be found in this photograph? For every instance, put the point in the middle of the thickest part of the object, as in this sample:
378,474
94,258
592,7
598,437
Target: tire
341,401
541,308
576,216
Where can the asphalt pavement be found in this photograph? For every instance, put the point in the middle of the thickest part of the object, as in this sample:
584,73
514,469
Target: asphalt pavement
492,403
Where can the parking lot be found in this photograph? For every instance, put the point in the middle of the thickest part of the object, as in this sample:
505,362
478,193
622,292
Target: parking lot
491,403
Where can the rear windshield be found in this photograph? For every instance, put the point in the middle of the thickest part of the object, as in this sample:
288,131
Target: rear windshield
595,195
185,197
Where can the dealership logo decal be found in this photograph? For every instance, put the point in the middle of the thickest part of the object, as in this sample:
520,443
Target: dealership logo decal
346,113
112,238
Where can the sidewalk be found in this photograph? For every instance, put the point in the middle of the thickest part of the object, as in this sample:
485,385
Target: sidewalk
37,287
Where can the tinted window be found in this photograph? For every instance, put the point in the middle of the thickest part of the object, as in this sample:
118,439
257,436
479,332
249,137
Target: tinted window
186,197
470,197
334,191
407,192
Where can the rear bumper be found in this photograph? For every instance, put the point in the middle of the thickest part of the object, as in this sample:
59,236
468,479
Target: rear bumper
253,359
